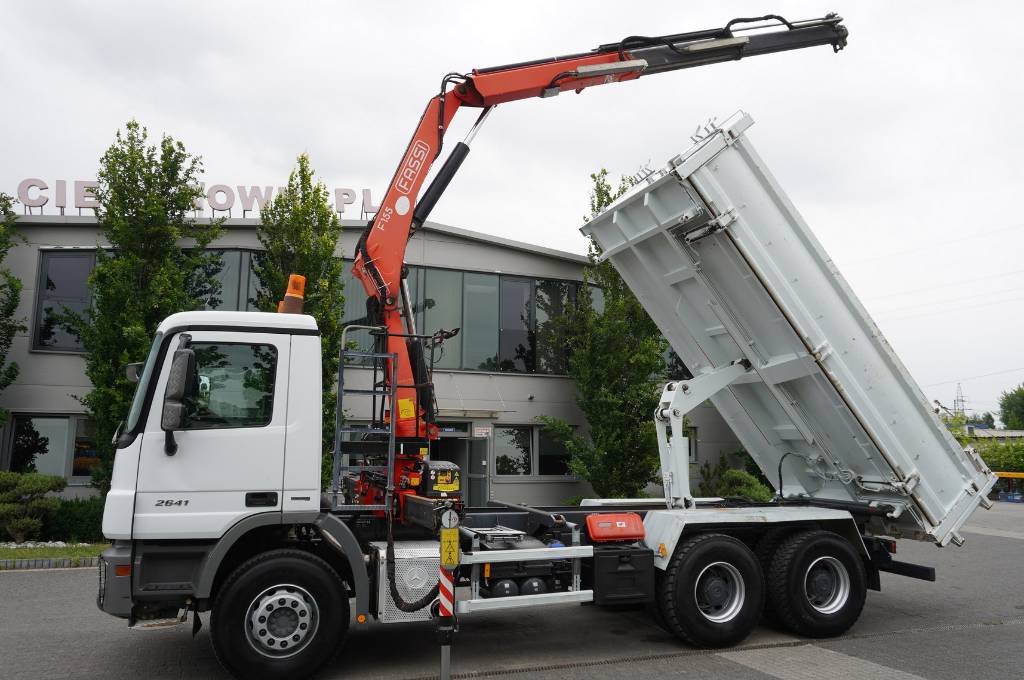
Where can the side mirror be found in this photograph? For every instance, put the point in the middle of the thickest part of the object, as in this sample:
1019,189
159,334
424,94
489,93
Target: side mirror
180,385
131,371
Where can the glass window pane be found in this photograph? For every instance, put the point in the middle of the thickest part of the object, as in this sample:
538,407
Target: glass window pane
85,457
553,300
252,282
229,276
40,445
513,450
235,385
140,388
480,325
443,304
552,457
63,285
415,281
515,345
355,309
597,299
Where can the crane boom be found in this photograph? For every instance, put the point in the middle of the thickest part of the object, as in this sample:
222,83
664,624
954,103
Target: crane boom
380,252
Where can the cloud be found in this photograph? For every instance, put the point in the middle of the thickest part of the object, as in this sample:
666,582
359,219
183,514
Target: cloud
904,139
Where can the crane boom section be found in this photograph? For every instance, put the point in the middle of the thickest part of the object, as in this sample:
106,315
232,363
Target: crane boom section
380,254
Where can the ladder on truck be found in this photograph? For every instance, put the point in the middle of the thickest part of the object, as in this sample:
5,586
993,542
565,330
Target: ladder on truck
345,448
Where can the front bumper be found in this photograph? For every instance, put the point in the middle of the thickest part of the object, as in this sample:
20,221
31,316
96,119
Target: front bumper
115,592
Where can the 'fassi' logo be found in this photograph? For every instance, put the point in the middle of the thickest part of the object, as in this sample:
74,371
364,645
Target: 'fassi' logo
411,167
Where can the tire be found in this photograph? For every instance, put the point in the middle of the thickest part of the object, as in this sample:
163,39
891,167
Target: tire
653,608
817,584
712,593
765,551
294,643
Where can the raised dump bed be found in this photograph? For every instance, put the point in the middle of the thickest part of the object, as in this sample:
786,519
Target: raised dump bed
732,274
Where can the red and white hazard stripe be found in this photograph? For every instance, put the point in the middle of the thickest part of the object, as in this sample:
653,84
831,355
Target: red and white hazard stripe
446,593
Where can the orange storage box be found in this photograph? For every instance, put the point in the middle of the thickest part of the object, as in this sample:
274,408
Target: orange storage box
618,526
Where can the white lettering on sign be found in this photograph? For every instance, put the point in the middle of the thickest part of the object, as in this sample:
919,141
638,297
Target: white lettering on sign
33,192
25,196
84,197
213,197
254,197
410,169
343,197
481,432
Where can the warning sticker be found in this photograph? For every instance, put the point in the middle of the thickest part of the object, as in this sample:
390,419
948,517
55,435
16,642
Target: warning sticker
446,480
406,409
450,548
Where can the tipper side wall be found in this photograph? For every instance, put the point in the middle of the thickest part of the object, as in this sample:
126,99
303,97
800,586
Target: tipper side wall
730,272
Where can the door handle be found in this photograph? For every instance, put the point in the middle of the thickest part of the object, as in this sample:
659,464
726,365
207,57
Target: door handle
261,499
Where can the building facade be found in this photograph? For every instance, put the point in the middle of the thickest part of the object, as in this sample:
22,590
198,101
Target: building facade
504,369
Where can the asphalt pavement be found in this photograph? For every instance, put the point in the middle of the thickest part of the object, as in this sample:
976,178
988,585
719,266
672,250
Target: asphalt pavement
968,624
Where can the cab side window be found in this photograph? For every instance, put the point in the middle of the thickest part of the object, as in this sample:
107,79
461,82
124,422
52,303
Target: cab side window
234,385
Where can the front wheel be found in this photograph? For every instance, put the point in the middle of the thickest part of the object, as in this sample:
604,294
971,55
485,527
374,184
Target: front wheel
282,614
817,584
712,593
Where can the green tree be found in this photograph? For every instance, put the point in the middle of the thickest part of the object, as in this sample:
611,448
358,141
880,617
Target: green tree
618,361
299,232
25,503
157,265
1011,408
985,419
10,295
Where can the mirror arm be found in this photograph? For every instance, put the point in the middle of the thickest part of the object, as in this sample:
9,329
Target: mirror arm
170,446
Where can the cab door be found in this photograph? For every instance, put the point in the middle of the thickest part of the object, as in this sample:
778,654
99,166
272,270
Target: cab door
229,461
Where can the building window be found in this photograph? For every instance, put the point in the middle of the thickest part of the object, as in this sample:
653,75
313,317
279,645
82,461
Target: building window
513,451
507,323
525,450
553,301
480,322
515,340
63,286
552,456
442,302
229,277
53,445
235,385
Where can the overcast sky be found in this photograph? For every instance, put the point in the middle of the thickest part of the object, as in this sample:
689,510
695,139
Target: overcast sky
901,151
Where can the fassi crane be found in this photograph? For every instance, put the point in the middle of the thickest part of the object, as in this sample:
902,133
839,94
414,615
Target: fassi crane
380,252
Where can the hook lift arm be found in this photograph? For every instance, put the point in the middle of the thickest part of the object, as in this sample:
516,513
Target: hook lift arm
380,252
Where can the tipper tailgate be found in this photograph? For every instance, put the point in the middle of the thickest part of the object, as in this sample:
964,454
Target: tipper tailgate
729,271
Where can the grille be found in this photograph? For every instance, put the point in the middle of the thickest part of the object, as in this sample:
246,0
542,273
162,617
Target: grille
416,572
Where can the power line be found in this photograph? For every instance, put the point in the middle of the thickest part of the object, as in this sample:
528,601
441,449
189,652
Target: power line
973,377
944,285
953,309
973,296
932,244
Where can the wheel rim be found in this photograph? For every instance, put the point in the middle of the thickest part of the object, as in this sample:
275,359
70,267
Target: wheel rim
719,592
281,621
827,585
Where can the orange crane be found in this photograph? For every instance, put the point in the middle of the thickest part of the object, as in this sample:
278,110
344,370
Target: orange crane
380,252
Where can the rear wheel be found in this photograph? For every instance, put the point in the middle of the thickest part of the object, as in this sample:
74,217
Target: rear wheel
712,592
765,551
817,584
282,614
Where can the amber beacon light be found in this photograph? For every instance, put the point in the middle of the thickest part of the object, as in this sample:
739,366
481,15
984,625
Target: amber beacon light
293,297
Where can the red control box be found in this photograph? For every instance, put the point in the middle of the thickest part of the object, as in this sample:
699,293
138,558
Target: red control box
619,526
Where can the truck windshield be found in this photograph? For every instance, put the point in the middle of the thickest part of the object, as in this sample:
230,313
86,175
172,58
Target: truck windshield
140,389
